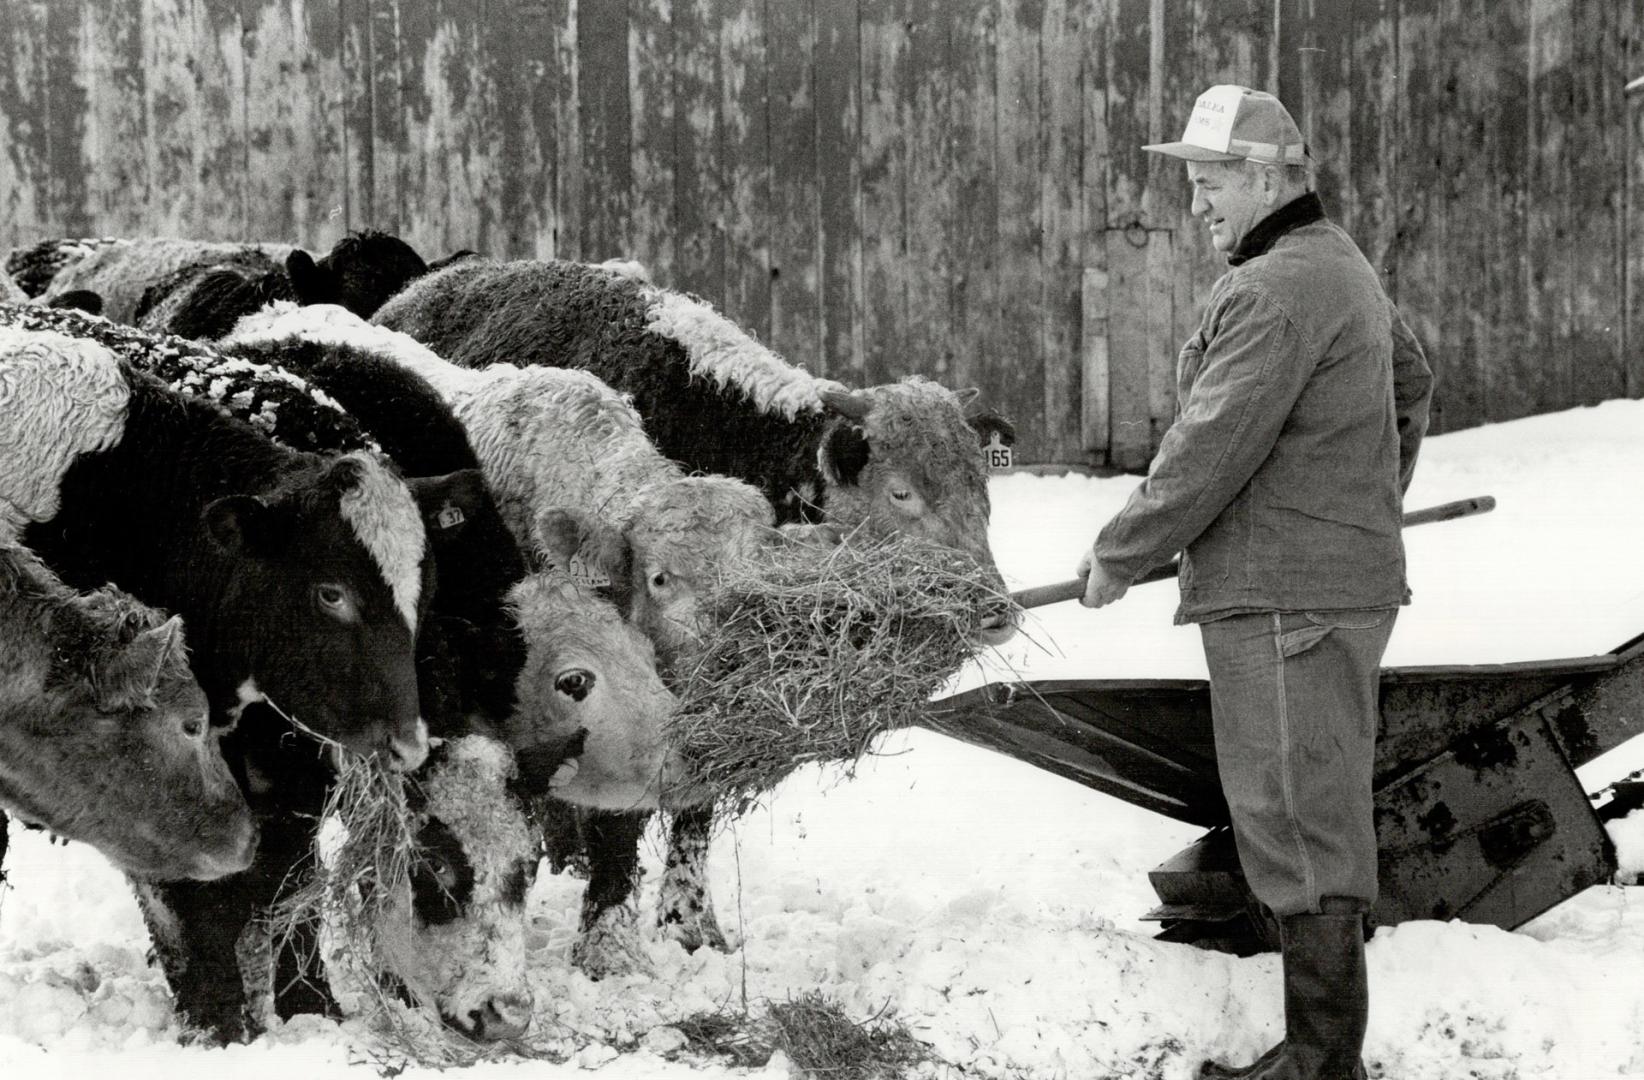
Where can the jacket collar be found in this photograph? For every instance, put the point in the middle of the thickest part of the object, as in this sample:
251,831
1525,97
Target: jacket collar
1292,215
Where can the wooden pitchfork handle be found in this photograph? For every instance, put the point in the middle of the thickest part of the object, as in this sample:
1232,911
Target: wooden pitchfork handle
1040,595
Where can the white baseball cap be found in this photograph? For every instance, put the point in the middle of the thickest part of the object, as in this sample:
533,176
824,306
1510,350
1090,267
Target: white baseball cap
1236,123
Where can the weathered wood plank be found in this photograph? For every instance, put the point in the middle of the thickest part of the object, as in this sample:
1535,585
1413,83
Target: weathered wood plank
359,106
1591,236
1094,311
1065,45
547,87
1632,231
795,192
607,127
745,163
1021,315
117,178
1128,60
1537,383
1375,147
296,167
66,115
453,156
930,129
970,227
883,200
655,227
839,177
699,256
25,177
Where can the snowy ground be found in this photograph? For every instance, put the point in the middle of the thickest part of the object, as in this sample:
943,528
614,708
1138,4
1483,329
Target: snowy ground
992,906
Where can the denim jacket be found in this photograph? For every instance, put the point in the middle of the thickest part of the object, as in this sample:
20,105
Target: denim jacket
1301,404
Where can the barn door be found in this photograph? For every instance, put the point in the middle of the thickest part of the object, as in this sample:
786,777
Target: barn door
1142,342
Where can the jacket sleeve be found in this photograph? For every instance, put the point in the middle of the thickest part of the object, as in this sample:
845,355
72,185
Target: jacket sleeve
1254,368
1412,393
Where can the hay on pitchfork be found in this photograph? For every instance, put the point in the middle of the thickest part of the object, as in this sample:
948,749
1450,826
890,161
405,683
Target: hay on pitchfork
815,652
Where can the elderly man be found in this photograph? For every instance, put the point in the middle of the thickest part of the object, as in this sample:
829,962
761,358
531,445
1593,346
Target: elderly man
1302,401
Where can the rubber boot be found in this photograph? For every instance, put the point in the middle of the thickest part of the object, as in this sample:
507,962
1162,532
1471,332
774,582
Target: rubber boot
1326,1002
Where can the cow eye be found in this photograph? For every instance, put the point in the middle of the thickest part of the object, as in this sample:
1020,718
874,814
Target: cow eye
901,494
660,579
575,683
194,726
333,599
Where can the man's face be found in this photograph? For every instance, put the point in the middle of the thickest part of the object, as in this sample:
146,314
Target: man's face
1230,196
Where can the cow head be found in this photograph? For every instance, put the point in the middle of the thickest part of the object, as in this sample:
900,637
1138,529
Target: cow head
330,579
360,273
454,934
903,458
679,537
104,733
589,674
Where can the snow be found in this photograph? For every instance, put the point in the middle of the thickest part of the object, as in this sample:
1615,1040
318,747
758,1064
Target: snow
993,907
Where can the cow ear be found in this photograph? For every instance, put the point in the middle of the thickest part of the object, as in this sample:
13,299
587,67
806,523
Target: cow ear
239,524
451,501
559,535
967,397
133,674
843,454
455,257
989,423
311,284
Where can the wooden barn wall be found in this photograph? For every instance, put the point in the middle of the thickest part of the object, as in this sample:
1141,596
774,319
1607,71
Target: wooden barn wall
883,186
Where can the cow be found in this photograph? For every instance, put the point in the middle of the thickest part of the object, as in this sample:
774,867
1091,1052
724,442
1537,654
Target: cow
301,578
468,654
135,277
571,465
104,732
902,458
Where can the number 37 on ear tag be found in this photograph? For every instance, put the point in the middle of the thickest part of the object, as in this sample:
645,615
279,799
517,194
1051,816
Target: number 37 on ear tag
997,454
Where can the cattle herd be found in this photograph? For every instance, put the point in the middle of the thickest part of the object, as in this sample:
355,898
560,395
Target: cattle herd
259,509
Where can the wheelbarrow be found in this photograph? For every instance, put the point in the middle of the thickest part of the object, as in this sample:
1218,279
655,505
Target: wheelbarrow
1479,813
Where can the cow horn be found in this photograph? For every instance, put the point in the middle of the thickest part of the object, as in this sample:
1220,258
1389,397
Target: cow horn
852,404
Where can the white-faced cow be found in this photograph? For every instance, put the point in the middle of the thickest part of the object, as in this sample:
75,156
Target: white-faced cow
104,732
301,578
899,458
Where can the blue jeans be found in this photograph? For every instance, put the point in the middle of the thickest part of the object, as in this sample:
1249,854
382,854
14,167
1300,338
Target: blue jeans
1294,698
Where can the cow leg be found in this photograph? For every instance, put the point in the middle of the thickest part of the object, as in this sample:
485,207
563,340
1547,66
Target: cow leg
196,928
4,842
608,939
685,909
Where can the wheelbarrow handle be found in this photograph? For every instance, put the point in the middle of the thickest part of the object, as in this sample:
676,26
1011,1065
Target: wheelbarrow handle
1040,595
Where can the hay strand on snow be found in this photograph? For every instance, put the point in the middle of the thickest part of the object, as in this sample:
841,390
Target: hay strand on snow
814,653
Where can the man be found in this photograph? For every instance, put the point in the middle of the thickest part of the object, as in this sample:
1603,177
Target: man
1302,400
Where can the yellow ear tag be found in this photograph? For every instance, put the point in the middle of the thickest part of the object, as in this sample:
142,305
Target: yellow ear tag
998,455
449,516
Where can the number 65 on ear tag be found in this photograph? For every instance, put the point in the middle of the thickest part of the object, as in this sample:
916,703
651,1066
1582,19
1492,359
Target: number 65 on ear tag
998,455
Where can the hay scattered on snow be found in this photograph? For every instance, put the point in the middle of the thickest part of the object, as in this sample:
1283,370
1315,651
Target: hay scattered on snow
815,1033
815,652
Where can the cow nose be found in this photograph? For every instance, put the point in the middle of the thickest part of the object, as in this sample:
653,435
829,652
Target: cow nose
505,1016
405,753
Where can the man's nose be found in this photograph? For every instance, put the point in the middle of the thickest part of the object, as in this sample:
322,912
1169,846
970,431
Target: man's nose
1201,206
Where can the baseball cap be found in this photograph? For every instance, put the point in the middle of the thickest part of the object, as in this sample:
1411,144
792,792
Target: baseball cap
1232,123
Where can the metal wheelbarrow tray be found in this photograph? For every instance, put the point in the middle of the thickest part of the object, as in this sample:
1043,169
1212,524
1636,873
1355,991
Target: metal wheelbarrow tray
1479,814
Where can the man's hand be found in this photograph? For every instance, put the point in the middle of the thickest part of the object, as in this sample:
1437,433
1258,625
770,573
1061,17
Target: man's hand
1101,588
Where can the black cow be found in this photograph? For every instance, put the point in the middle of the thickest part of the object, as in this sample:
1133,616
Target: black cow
301,578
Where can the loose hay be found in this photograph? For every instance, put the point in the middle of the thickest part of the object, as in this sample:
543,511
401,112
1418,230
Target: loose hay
815,1033
815,652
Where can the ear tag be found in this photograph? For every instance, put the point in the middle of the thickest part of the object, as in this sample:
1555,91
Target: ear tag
449,517
997,454
586,573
